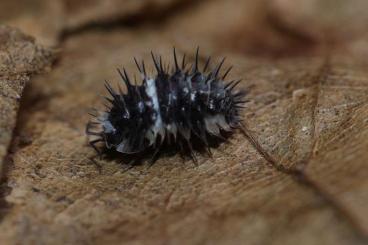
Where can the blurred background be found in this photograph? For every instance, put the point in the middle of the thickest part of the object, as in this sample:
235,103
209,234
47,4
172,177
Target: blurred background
265,27
304,63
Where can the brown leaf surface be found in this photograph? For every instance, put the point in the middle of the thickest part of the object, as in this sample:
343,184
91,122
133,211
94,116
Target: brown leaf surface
40,18
329,20
20,58
303,179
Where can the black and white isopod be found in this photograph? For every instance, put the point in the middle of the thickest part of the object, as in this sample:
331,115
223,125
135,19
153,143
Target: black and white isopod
178,105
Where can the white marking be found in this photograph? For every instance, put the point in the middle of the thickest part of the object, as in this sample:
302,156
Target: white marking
108,128
189,81
125,147
172,128
214,123
192,96
106,124
140,106
122,147
157,127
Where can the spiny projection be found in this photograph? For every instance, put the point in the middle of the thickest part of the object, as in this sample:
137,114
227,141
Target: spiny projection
178,105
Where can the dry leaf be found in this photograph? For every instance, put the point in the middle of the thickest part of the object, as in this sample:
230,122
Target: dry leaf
20,58
300,178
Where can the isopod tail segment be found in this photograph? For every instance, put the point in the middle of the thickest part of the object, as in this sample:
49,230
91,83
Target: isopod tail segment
184,105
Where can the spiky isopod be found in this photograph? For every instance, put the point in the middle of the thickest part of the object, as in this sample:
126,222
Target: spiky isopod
177,105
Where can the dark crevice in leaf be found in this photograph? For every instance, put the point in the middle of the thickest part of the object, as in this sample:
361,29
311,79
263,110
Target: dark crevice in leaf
150,15
299,175
4,188
30,102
